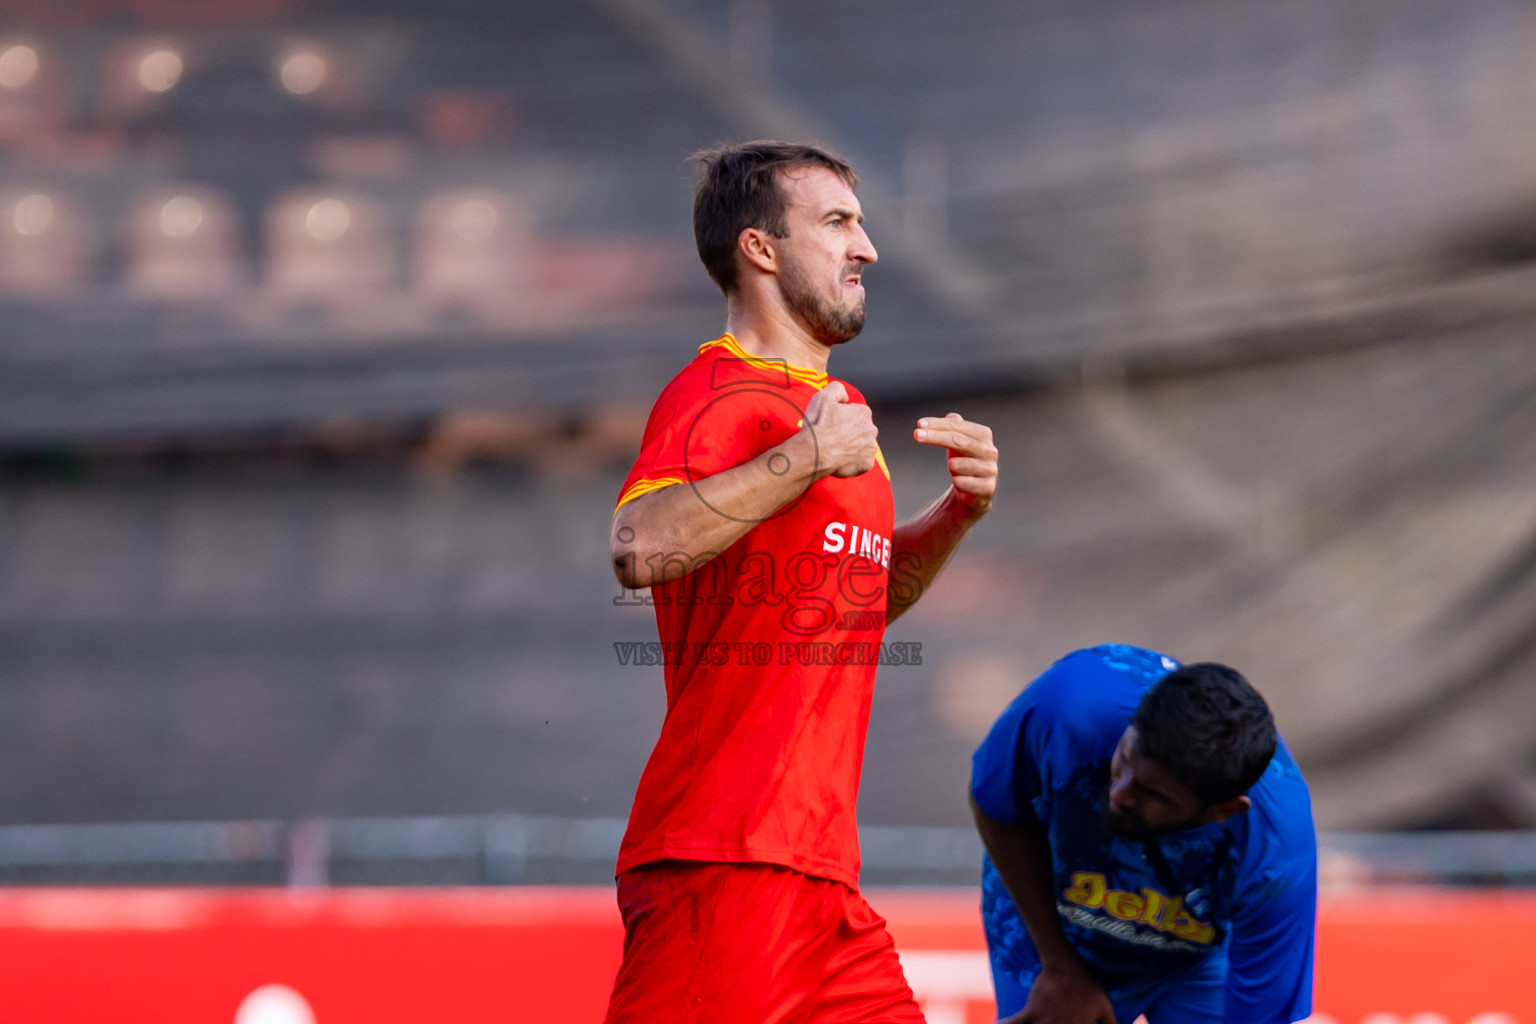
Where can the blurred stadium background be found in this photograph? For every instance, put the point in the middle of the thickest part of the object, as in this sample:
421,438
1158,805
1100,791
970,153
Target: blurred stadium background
328,328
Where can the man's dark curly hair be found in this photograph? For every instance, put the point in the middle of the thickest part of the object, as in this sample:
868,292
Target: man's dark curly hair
739,188
1209,727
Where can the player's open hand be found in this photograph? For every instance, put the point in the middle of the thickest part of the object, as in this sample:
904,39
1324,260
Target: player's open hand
972,456
1065,997
845,432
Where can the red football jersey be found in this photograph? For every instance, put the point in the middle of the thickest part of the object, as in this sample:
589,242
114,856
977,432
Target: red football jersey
770,648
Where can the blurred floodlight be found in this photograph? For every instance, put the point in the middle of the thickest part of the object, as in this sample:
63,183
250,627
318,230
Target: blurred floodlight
160,70
18,67
33,215
328,220
181,216
274,1004
302,71
474,220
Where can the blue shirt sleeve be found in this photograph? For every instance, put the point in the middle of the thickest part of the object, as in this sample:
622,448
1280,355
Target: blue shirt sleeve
1005,770
1269,977
1075,711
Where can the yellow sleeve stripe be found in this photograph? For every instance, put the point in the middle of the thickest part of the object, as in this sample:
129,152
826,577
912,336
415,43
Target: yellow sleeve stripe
880,461
642,487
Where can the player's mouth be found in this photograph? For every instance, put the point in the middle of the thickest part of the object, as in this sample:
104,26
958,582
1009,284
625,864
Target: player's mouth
1117,822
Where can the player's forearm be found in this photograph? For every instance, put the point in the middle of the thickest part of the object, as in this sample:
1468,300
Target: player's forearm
923,544
1022,855
667,534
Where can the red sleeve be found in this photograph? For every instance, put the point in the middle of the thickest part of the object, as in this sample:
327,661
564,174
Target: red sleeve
696,431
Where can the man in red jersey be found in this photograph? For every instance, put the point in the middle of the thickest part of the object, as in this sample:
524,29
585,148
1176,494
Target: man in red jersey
759,514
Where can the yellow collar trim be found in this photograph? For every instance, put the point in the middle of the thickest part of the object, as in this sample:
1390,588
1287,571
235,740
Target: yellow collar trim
801,373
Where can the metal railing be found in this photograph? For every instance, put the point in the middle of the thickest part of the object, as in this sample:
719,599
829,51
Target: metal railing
516,849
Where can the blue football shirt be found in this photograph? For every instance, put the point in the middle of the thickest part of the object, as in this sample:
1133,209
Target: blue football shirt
1145,913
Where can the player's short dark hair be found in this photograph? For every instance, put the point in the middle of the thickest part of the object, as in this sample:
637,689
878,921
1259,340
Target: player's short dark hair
1209,727
739,188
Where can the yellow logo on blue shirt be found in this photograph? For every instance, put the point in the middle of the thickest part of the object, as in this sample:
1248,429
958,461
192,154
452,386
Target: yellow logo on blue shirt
1148,906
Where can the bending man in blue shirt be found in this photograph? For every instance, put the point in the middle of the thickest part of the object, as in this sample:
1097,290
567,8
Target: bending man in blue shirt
1150,848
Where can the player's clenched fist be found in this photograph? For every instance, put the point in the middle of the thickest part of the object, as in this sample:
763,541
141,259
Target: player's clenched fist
845,433
972,456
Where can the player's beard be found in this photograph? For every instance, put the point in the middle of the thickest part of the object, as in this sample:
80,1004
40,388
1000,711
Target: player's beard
1135,828
1119,827
828,323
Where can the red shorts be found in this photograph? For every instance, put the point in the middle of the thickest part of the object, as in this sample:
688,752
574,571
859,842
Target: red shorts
708,943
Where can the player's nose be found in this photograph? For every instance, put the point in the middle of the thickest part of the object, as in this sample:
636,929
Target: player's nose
862,250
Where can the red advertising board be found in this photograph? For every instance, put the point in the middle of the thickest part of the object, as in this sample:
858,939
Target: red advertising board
366,956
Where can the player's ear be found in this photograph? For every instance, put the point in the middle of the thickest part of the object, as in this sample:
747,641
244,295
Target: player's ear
1226,809
756,246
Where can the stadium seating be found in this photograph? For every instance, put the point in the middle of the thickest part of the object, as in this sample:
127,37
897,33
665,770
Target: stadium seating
472,252
327,244
184,245
46,242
